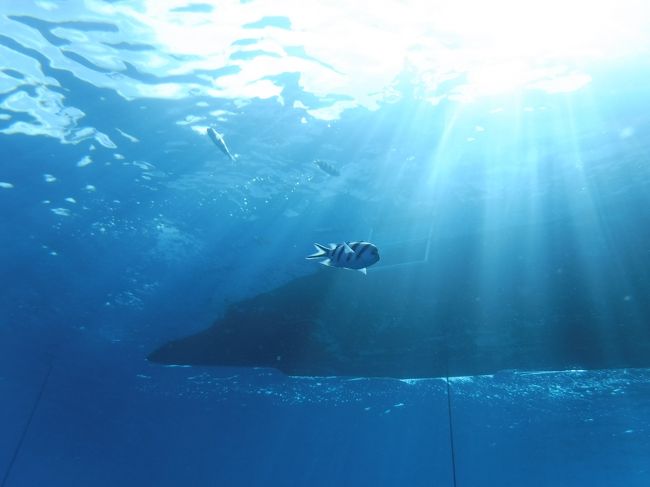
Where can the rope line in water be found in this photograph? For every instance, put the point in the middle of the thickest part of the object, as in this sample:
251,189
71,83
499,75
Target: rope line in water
451,433
26,427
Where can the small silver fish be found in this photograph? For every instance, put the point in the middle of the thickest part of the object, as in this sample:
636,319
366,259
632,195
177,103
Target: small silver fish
218,140
327,167
347,255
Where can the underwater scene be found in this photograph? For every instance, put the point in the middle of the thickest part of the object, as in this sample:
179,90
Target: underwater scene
331,243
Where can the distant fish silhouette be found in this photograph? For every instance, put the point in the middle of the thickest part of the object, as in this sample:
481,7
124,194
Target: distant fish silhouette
217,138
327,167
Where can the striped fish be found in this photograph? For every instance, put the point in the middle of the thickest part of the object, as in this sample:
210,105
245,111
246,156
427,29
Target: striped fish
348,255
327,167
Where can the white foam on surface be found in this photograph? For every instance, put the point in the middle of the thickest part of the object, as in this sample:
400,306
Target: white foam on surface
61,211
127,136
105,140
84,161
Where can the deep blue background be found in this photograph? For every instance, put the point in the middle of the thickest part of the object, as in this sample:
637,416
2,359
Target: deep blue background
86,317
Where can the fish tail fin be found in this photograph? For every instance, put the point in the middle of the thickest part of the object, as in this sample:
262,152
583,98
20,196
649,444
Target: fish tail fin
322,252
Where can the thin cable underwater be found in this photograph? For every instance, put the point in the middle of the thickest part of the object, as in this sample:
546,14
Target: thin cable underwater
451,432
23,435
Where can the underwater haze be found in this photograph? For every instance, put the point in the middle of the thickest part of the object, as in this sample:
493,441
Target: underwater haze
166,167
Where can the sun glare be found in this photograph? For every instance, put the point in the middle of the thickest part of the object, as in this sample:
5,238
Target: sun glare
350,54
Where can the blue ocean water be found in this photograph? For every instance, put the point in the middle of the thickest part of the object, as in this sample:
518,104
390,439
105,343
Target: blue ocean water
497,156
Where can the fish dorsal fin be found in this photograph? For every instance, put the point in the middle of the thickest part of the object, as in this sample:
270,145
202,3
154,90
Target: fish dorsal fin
347,249
332,246
364,271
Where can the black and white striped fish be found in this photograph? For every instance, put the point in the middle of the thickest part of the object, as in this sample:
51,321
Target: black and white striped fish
348,255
